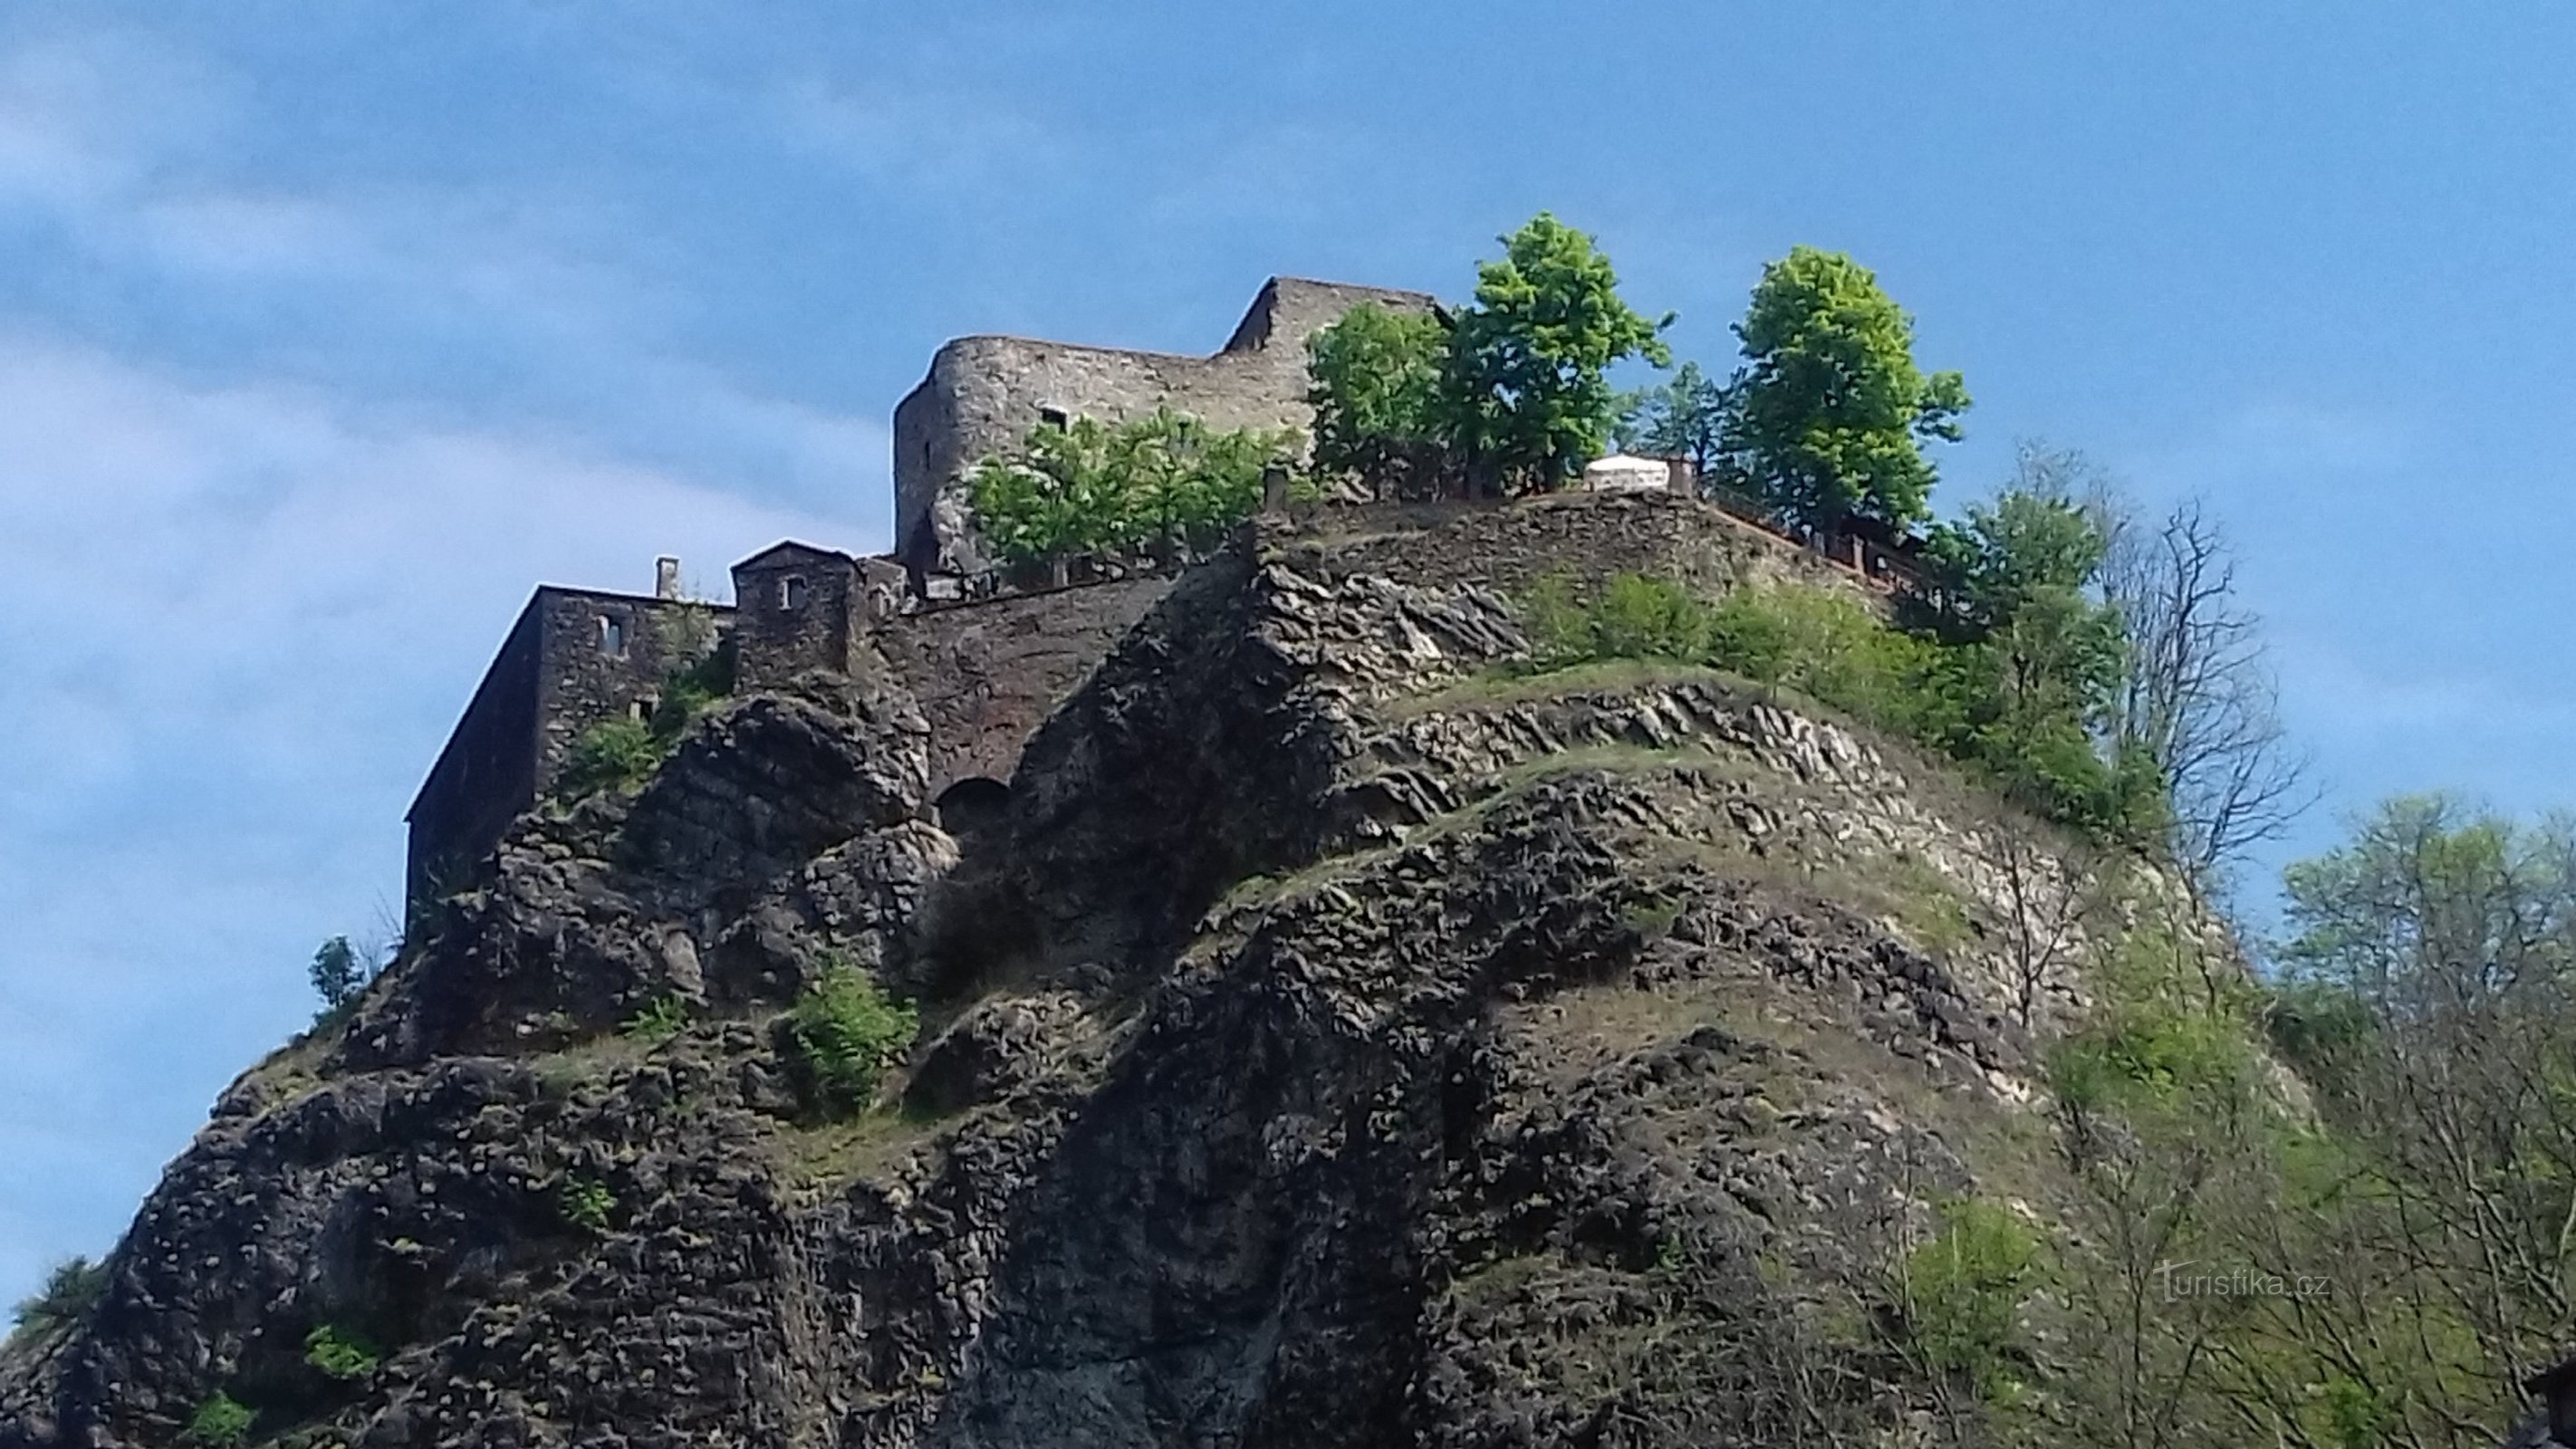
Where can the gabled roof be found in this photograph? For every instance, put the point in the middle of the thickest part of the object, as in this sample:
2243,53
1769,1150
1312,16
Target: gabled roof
787,551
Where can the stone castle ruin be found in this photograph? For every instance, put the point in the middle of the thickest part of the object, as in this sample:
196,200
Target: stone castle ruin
984,666
984,394
984,670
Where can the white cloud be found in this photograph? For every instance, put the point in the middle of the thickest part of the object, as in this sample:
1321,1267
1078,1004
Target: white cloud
239,621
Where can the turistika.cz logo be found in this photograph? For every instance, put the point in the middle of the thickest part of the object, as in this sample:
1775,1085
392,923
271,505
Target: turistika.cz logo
2179,1284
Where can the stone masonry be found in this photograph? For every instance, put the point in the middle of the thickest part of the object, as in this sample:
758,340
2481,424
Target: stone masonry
984,394
576,658
984,673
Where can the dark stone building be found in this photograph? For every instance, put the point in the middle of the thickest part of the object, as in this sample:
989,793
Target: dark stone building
574,659
985,671
798,607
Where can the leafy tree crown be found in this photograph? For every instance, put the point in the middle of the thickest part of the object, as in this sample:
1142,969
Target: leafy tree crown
1832,411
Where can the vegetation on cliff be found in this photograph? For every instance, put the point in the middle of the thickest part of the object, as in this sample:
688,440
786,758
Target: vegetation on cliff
1682,995
1164,482
1510,394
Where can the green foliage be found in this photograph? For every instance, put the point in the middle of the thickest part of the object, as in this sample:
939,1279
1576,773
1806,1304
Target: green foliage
1375,391
848,1030
1998,703
2042,662
338,975
615,754
1829,647
1514,390
1831,411
1683,417
2015,554
659,1021
621,754
1634,617
72,1288
220,1422
339,1354
586,1203
2349,1414
2155,1056
1960,1295
690,689
1652,917
1524,391
2317,1026
1089,487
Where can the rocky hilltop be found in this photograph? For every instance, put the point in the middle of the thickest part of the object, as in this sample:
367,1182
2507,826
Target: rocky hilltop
1338,1036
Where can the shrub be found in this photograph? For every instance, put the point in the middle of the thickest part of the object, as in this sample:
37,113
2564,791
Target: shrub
71,1289
340,1355
1634,617
220,1422
659,1021
617,754
687,692
847,1029
338,975
1120,488
1961,1292
586,1204
1972,701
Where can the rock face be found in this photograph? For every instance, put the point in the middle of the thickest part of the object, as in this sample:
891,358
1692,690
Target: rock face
1328,1039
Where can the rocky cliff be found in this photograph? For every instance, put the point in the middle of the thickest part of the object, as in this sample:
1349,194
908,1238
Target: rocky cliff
1335,1038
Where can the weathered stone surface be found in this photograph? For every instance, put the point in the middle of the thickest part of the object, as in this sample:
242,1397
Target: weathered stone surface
1328,1040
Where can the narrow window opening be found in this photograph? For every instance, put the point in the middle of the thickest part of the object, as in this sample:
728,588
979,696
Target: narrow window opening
612,634
641,711
1055,417
791,592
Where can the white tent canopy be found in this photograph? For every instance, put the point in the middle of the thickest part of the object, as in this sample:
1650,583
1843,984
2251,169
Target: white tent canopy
1622,473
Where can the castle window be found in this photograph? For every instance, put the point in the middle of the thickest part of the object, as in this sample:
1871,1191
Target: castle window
791,592
1055,417
641,711
612,634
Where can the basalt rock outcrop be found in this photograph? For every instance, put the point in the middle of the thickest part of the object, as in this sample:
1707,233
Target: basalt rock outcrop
1335,1038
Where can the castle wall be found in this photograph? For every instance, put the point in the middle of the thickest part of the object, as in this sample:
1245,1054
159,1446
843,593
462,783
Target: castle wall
987,674
575,658
793,612
604,656
487,773
984,394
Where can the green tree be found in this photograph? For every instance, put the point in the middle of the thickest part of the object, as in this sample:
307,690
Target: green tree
1375,391
1831,411
2013,554
71,1288
2041,658
1683,417
1524,393
337,973
1089,487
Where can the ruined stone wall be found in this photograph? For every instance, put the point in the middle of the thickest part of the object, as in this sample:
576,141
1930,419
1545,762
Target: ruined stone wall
487,773
987,674
603,656
984,394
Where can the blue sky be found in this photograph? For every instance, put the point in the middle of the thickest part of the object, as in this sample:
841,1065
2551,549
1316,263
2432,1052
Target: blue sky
328,329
